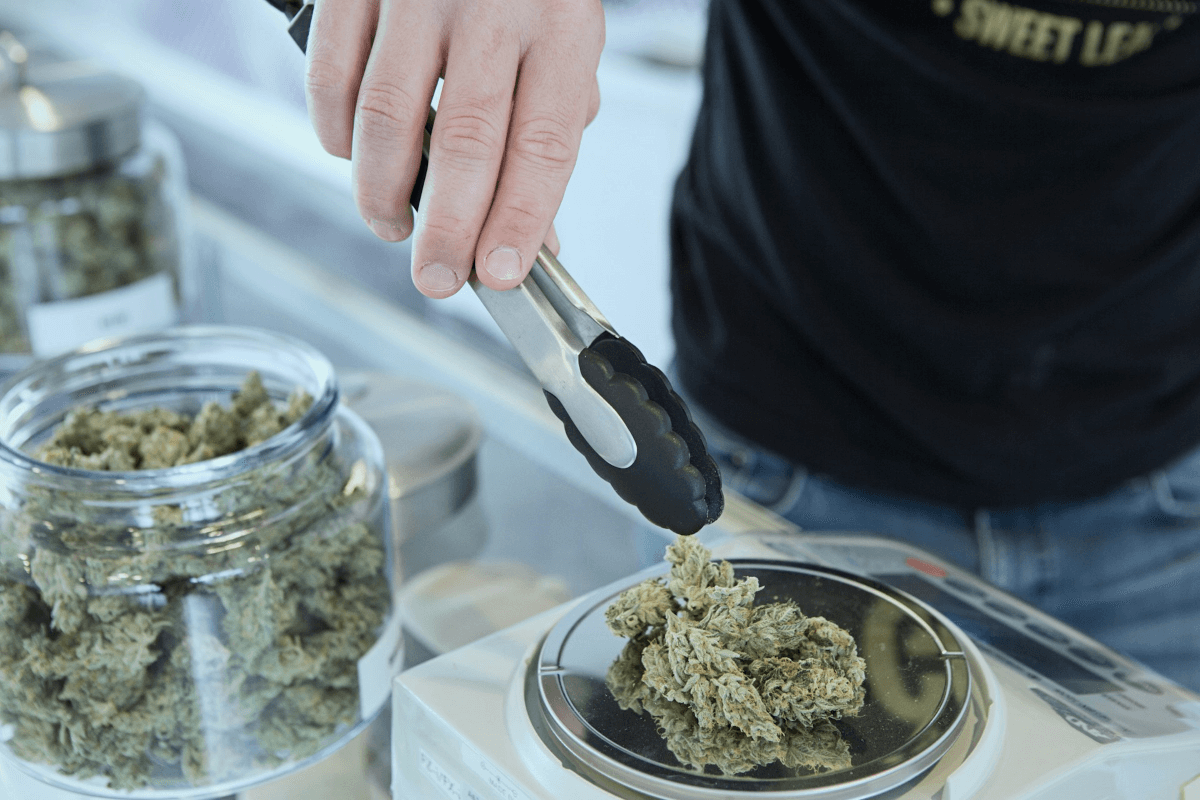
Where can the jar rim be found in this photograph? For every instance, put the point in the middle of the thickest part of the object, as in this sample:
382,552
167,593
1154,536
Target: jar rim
18,396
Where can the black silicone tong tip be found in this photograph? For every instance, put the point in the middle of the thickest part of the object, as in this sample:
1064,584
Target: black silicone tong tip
674,482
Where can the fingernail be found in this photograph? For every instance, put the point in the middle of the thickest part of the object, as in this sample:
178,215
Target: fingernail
436,277
503,263
385,230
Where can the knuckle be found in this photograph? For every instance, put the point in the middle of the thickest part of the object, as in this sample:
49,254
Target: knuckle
325,77
375,204
593,15
583,19
470,132
329,88
379,199
545,142
384,110
574,8
447,231
522,217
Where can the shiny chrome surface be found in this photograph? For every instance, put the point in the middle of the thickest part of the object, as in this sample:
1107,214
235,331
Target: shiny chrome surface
551,350
918,687
57,118
549,320
575,307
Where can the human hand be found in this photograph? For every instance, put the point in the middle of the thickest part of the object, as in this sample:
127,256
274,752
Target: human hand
519,88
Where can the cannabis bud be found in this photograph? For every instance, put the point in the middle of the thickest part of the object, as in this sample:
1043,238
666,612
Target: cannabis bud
208,638
84,235
731,684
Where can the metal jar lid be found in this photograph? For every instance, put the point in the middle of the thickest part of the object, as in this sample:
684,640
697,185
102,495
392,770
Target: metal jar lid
918,688
430,437
62,117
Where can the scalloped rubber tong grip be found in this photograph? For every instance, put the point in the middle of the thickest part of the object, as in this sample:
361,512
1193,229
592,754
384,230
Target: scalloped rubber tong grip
618,410
674,482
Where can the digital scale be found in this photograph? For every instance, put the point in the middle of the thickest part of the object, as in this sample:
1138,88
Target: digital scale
971,694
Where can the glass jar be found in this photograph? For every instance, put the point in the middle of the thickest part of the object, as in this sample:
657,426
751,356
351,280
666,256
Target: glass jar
186,632
93,200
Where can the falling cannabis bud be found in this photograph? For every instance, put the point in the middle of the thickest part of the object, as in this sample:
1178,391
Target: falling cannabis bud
731,684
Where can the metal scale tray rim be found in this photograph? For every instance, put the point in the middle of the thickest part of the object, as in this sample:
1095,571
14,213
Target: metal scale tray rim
583,750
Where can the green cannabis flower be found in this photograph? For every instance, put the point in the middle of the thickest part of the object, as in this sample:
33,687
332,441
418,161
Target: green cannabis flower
729,683
162,659
79,235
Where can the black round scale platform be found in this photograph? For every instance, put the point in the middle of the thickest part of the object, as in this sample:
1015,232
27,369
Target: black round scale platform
918,683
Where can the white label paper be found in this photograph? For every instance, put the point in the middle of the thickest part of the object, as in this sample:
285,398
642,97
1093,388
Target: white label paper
378,666
147,305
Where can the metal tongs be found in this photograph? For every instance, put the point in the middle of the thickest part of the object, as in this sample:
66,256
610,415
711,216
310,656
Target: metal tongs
618,410
550,321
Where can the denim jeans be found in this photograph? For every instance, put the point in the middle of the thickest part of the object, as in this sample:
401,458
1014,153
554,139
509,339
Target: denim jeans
1123,568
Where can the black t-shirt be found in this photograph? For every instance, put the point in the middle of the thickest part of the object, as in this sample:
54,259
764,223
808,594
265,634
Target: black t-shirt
949,249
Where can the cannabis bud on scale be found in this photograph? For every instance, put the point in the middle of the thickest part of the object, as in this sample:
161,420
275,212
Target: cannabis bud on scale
728,683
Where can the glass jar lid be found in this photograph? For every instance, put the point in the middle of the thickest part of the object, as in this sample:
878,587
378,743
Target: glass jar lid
62,117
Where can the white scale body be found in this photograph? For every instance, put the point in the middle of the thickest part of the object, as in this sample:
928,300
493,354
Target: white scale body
1052,714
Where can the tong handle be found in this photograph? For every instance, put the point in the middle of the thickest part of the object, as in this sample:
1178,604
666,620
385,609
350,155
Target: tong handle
581,315
553,353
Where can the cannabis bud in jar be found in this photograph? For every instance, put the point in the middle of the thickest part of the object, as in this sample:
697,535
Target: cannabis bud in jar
731,684
91,211
209,635
85,236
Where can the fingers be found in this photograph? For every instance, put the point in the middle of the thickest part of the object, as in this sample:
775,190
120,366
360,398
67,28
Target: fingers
338,45
500,156
594,103
551,107
465,153
390,112
552,240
